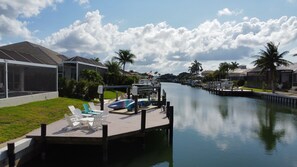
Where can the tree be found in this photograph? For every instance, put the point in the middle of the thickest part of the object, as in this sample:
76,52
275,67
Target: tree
223,70
91,75
113,67
233,65
269,59
96,59
195,67
125,56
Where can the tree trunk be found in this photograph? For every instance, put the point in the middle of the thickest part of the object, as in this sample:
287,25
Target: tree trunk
272,81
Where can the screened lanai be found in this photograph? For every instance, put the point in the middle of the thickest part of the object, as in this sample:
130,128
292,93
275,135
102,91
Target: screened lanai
22,74
73,67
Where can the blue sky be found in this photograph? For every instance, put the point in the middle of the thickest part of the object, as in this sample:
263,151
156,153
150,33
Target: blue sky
165,35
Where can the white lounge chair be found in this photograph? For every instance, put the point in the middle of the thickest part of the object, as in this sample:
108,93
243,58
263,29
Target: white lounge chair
94,108
72,123
97,123
77,112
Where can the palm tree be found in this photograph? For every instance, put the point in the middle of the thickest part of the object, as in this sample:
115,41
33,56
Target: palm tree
269,59
96,59
233,65
125,56
113,67
195,67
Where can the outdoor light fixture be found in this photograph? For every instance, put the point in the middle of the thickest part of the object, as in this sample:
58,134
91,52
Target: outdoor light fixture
134,90
100,89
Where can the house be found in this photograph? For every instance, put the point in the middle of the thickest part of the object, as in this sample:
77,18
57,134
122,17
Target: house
286,77
73,66
206,72
239,73
23,74
30,69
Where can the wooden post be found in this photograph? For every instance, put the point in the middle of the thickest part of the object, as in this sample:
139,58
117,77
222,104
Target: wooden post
167,108
43,141
136,104
143,120
117,96
105,142
163,100
159,97
128,93
102,101
171,115
11,154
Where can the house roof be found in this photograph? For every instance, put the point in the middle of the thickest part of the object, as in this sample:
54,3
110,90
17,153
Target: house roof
239,72
289,67
19,56
292,67
85,60
45,55
205,72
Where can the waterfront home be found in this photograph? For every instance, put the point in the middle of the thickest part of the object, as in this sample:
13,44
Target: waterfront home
73,66
33,70
22,74
285,77
239,73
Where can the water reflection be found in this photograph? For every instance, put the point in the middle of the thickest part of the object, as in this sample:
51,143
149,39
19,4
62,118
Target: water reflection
225,119
267,132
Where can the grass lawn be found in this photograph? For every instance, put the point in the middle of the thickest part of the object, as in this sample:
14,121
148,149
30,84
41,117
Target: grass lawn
255,89
19,120
111,94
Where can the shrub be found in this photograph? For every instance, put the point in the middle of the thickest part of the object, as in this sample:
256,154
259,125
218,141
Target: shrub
240,82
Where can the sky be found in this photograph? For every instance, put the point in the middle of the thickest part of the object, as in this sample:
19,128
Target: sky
165,35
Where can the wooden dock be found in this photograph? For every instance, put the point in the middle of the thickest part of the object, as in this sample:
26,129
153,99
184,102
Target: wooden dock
231,92
118,126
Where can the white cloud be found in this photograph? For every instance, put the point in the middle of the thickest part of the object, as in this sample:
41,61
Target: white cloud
10,11
14,27
82,2
228,12
166,49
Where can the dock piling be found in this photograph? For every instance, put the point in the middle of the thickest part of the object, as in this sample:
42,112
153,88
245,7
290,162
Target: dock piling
105,142
102,101
159,97
167,107
135,104
43,141
11,154
171,115
143,120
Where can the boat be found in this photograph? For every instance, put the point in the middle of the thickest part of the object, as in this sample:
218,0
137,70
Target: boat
120,104
141,103
225,84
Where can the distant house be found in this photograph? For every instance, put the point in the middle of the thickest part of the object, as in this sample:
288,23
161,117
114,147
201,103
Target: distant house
239,73
73,66
206,72
29,69
286,77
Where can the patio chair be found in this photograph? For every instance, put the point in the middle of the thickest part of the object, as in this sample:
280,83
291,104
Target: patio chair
93,107
77,112
71,123
88,111
97,123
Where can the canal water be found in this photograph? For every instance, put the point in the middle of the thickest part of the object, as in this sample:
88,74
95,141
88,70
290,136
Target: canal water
209,130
